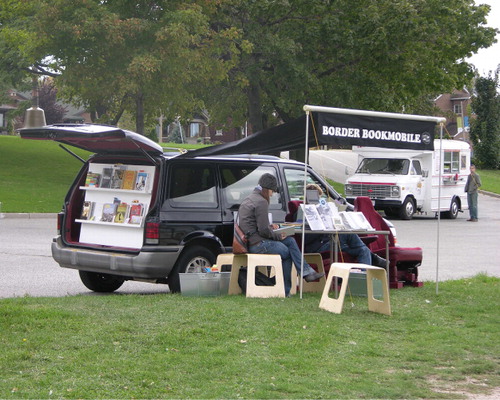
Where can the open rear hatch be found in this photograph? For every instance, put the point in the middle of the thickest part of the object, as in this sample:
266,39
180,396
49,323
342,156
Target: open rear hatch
112,145
101,139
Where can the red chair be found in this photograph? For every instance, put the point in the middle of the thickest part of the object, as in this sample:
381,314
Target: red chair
404,261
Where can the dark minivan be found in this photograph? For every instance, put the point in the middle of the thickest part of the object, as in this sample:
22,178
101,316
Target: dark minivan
135,212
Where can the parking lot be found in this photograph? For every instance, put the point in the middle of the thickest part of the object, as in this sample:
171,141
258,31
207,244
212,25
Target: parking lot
465,249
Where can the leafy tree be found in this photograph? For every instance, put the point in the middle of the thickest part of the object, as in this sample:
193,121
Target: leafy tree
47,100
259,60
485,128
384,55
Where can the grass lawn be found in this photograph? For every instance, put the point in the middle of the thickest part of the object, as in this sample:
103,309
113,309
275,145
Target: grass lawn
169,346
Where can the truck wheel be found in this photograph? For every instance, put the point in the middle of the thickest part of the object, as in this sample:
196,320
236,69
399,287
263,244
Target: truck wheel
193,259
454,208
407,209
102,283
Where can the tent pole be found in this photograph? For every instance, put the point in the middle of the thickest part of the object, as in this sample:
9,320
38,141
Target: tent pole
306,156
441,164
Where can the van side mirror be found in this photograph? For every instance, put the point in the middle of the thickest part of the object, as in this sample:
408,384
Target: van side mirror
425,173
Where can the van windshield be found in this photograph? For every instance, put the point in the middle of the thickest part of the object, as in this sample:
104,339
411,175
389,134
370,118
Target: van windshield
384,166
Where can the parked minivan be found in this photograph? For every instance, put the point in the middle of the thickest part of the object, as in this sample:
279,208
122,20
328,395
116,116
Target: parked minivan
135,212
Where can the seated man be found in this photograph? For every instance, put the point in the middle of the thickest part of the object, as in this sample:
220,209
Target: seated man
349,243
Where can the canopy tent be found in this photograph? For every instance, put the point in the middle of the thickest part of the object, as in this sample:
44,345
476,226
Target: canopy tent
337,126
391,130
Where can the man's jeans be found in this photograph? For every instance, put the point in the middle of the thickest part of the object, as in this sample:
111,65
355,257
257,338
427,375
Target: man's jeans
354,246
472,200
289,252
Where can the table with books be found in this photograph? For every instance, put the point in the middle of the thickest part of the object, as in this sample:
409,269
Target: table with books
325,218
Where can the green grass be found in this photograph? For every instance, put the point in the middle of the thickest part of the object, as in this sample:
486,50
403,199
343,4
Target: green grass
35,175
169,346
490,180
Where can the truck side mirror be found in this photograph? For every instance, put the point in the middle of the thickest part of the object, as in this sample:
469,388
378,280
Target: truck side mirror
425,173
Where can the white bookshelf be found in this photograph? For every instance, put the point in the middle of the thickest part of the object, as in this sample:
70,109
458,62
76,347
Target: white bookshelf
95,231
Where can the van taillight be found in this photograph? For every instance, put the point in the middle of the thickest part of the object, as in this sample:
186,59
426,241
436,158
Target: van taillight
59,223
152,233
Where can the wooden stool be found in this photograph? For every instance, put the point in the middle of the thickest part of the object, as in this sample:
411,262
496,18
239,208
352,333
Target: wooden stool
252,262
313,287
342,270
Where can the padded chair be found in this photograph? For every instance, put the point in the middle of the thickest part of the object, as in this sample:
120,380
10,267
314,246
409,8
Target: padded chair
404,261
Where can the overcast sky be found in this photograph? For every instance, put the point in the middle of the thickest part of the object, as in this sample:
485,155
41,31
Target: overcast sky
488,59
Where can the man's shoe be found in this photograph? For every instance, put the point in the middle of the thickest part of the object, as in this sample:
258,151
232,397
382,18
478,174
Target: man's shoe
378,261
474,220
313,276
470,220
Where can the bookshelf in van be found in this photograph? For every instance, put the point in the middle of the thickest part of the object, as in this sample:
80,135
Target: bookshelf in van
117,198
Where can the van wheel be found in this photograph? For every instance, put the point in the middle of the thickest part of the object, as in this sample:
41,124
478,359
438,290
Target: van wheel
407,210
454,208
102,283
193,259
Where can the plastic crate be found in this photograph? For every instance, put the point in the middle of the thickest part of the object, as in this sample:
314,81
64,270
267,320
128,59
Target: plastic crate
205,284
357,285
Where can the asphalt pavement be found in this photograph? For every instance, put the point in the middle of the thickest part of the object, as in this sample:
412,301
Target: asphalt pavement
465,249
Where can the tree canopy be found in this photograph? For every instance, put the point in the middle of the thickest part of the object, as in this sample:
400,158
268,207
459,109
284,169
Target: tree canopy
241,60
485,128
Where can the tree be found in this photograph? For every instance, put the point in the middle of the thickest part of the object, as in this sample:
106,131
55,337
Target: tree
485,128
111,57
384,55
259,60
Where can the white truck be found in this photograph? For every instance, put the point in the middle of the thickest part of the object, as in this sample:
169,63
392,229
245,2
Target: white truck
405,182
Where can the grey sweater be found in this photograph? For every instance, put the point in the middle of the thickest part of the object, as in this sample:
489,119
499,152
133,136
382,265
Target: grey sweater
473,183
254,220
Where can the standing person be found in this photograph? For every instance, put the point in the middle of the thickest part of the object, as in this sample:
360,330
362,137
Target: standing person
471,187
254,219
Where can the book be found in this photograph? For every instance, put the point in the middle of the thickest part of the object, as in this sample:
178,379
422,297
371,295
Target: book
117,178
121,213
287,230
312,217
141,181
129,178
108,212
93,179
87,210
136,212
107,174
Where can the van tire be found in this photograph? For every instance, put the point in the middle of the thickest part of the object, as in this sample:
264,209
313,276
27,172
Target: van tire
102,283
407,209
454,209
193,259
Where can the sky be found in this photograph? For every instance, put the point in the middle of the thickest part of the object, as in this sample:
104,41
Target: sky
488,59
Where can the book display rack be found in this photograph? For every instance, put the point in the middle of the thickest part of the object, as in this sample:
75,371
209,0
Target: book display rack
117,198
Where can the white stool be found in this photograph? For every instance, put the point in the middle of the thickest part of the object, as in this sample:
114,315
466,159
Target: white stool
311,287
342,270
252,262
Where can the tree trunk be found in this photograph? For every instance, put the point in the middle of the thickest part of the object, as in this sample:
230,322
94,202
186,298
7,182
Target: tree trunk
139,113
255,108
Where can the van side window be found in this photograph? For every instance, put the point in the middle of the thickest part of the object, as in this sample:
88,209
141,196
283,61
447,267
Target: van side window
416,169
295,183
238,181
192,186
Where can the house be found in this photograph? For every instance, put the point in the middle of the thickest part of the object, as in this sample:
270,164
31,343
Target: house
456,110
11,103
198,130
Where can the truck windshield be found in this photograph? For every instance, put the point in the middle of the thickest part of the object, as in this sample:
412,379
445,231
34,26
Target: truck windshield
384,166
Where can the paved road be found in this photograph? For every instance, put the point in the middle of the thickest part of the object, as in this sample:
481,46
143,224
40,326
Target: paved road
465,249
